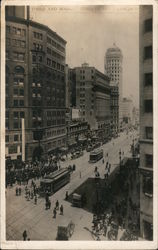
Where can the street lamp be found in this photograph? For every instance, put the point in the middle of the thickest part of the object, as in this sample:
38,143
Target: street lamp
133,148
120,158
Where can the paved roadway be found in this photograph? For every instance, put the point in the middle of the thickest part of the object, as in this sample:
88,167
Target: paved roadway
40,225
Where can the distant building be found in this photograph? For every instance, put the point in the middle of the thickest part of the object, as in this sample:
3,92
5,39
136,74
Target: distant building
146,121
35,85
113,69
76,133
135,115
114,107
91,94
127,110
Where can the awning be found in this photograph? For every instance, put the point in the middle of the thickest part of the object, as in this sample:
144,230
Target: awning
82,139
63,149
72,143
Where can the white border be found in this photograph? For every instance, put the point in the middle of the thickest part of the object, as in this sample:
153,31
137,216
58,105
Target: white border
78,244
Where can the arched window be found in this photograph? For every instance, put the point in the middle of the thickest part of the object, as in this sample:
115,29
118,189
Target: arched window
19,70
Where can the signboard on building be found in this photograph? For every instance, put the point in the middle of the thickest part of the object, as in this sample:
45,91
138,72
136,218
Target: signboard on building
75,114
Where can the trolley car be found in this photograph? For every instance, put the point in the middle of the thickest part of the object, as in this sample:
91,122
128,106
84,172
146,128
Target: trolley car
96,155
54,181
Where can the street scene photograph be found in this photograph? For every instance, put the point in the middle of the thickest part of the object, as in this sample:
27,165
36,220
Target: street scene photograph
79,123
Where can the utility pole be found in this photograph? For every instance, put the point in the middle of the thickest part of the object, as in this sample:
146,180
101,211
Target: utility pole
23,138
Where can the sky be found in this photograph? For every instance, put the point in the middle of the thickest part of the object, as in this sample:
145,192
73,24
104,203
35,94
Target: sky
91,30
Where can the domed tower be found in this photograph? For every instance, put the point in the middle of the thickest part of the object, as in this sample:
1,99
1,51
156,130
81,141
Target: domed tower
113,68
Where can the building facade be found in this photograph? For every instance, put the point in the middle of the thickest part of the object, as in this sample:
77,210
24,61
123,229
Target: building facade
35,87
113,69
91,94
146,122
127,110
114,107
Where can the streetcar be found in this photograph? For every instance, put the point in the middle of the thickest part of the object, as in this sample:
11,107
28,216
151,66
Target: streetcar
54,181
96,155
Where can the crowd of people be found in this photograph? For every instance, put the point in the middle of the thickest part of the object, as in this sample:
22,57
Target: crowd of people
29,170
121,201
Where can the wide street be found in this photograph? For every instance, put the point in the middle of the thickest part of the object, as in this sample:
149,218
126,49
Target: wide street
39,223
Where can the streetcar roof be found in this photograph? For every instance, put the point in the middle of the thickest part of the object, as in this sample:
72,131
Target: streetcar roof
96,151
46,181
57,173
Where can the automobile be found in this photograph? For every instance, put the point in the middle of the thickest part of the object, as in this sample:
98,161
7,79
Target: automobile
65,230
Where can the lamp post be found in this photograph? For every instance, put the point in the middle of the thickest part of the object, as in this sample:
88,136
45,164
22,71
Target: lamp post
120,158
133,153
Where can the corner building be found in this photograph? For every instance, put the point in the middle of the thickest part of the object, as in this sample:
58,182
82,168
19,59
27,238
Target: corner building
113,69
146,121
35,86
92,97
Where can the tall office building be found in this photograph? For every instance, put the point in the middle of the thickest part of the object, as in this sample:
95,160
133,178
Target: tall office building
35,85
113,69
91,94
146,121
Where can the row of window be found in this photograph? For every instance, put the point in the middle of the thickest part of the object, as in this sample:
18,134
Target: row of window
37,35
55,54
55,113
18,56
17,70
18,92
16,43
56,122
55,132
15,31
16,138
55,144
17,103
38,58
55,44
55,65
37,46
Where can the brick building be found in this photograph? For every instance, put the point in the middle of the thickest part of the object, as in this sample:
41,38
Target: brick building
91,94
35,85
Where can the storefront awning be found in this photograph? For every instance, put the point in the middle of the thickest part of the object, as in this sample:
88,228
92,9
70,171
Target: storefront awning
63,149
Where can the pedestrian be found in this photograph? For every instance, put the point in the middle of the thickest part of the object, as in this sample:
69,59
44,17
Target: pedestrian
32,183
54,213
57,205
49,204
66,196
35,199
19,190
26,189
29,193
109,168
31,196
61,209
107,164
103,161
24,235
